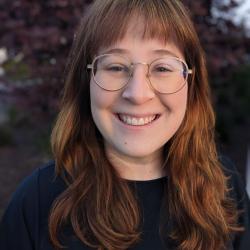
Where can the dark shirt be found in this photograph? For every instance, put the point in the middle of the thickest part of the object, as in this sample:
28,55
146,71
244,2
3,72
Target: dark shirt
24,225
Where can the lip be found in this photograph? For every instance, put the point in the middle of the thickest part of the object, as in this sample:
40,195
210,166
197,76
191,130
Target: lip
137,116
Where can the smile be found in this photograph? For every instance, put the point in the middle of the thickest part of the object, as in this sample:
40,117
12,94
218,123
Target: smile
137,121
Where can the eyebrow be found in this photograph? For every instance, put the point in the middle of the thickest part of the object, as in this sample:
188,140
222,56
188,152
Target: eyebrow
158,52
164,52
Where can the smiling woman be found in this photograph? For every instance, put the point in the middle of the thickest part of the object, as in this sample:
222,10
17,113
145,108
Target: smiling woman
136,165
147,106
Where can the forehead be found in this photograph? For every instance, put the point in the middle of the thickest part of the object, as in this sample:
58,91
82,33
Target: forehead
135,38
136,26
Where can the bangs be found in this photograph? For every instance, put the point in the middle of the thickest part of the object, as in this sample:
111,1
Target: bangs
155,20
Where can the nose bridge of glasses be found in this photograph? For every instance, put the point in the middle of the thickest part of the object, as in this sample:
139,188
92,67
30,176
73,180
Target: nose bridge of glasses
140,75
133,66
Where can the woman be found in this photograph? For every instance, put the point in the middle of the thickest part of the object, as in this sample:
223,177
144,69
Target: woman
135,160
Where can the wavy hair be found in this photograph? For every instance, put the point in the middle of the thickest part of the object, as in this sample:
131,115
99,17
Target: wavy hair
98,204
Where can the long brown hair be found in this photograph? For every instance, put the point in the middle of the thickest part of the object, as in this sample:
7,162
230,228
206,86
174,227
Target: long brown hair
97,203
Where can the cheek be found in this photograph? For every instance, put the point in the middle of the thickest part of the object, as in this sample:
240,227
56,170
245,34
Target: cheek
95,102
94,94
101,100
176,103
97,97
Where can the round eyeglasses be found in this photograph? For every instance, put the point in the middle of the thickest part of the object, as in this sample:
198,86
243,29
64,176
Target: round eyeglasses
167,75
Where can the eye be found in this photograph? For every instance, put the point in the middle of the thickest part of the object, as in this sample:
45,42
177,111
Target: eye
163,69
117,68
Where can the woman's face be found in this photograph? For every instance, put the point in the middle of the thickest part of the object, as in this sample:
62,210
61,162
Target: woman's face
138,102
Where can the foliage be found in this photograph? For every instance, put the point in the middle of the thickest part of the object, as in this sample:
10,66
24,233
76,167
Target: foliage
38,36
233,102
5,136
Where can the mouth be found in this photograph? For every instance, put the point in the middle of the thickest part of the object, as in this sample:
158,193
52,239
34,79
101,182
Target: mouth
137,120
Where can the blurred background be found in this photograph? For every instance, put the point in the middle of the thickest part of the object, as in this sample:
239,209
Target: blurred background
35,38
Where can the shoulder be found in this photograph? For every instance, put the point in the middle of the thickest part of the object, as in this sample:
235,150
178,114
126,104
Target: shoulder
228,166
238,193
41,187
41,183
28,209
235,181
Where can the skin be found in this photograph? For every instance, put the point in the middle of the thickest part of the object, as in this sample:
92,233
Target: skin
136,152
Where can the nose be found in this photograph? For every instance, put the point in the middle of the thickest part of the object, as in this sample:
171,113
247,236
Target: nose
138,90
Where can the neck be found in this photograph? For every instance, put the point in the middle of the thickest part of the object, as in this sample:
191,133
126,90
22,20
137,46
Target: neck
137,168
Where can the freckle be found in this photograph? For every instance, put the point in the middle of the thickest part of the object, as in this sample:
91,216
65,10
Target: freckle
125,143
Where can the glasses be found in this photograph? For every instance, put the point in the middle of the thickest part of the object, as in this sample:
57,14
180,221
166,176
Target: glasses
167,75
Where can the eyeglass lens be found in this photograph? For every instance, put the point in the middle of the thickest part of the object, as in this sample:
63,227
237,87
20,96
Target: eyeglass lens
166,75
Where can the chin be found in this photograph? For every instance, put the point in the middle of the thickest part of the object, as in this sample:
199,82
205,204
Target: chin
137,152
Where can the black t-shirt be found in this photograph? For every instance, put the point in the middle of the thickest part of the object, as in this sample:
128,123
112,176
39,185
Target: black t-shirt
24,225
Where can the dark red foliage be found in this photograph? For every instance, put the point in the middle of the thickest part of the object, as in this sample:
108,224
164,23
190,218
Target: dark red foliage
43,31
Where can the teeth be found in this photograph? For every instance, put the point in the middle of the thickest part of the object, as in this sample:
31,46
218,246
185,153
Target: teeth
136,121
